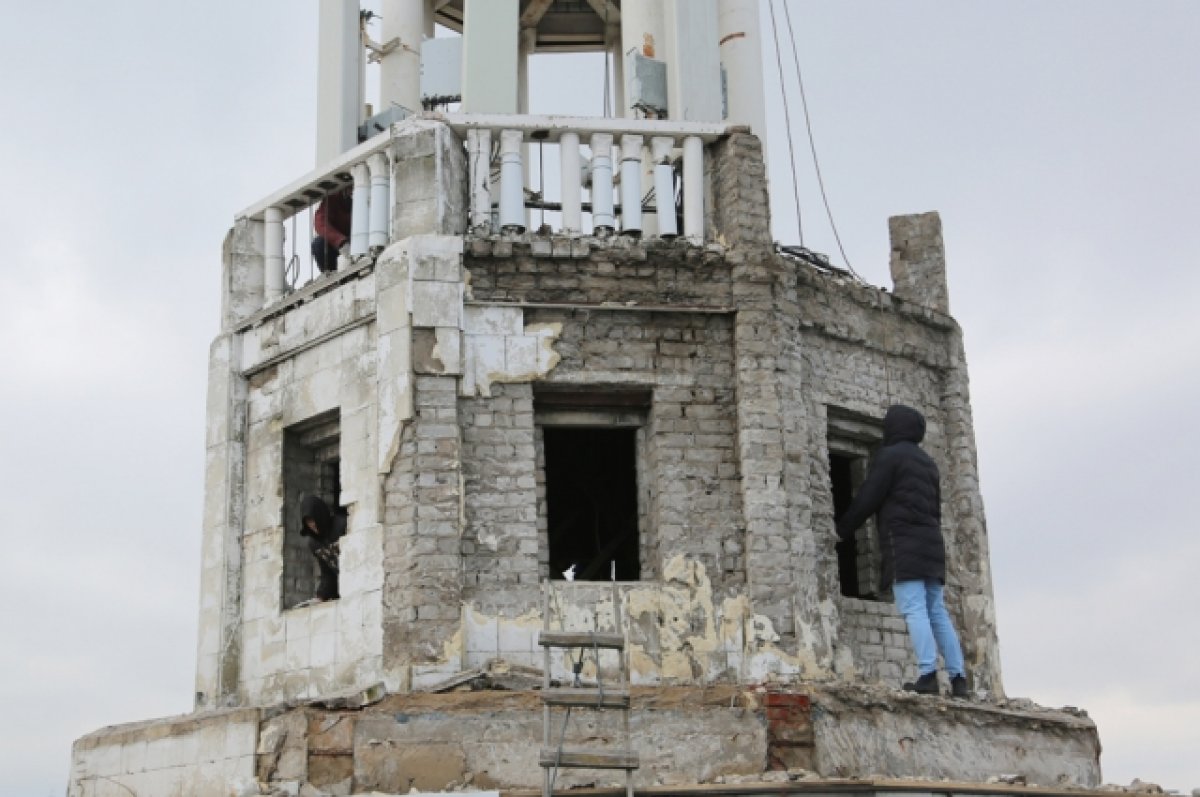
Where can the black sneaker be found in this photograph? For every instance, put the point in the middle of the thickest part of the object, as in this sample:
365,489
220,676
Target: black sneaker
958,687
927,684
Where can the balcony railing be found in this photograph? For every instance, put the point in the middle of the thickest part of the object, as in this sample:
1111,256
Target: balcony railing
614,171
608,172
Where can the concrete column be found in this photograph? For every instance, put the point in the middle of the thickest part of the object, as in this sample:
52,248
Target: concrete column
429,177
528,41
512,182
572,188
643,31
272,254
360,218
694,63
490,42
339,79
400,70
612,43
741,56
631,184
918,262
479,154
377,233
218,662
243,272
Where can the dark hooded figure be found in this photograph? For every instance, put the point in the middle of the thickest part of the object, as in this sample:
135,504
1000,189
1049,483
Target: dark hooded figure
323,530
902,488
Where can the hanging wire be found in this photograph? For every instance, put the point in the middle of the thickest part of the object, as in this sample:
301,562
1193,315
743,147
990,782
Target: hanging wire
812,145
787,121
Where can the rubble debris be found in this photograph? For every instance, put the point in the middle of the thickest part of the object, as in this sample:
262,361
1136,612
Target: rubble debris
1012,780
496,674
351,700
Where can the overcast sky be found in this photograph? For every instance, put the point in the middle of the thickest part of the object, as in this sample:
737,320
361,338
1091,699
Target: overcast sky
1058,140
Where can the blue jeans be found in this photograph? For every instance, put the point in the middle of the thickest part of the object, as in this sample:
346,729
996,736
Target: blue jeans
929,625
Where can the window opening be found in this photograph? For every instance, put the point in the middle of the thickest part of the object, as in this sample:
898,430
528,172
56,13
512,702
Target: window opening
311,466
591,500
852,441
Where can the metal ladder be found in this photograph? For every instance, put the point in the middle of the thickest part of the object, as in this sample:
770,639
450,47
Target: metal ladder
553,755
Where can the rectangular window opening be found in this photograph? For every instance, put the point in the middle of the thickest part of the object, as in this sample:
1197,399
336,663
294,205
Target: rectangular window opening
852,440
592,502
311,466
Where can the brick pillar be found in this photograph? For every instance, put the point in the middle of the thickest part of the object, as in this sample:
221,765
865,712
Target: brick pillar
970,573
919,260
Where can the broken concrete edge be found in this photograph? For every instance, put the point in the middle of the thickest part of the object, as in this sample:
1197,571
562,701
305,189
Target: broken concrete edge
163,727
803,782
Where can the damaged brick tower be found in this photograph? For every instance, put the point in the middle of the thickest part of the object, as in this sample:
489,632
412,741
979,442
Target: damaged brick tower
628,380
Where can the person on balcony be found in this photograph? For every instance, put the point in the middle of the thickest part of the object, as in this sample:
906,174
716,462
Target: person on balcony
903,487
323,530
332,224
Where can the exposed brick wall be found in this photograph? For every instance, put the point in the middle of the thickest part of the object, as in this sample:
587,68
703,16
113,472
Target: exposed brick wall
617,269
422,546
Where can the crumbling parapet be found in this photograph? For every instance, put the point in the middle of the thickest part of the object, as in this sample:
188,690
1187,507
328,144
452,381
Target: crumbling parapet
918,261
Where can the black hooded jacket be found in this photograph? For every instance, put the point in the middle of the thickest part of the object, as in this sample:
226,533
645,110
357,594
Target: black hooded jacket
330,527
903,487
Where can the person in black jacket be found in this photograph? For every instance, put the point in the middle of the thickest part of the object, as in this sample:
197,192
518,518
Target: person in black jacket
902,488
323,530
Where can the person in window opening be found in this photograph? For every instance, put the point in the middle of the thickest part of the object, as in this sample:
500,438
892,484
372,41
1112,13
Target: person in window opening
903,488
332,224
323,529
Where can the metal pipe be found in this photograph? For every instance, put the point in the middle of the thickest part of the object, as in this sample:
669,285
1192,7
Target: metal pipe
479,150
693,189
512,182
572,189
377,230
631,185
360,224
603,221
664,185
272,254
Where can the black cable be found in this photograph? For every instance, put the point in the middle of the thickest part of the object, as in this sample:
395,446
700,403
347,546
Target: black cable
787,121
812,146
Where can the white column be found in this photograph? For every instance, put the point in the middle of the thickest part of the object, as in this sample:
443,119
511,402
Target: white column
631,184
693,189
377,230
512,182
400,70
741,55
360,224
479,151
339,53
603,221
664,185
490,56
272,254
572,188
643,31
694,61
612,43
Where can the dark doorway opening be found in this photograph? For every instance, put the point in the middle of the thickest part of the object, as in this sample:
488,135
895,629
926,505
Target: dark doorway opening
591,502
841,476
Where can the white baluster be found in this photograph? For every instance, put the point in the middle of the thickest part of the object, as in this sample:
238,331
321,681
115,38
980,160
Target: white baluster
664,185
272,254
512,183
693,189
572,188
377,233
631,184
479,150
360,216
602,184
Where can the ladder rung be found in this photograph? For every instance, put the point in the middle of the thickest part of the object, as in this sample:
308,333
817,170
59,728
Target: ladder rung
586,698
581,639
585,759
